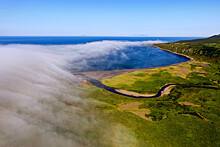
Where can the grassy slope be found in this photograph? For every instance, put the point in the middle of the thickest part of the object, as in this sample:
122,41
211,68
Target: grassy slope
207,49
182,126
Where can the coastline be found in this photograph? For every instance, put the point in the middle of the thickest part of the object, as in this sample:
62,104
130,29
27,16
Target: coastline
99,75
191,59
95,78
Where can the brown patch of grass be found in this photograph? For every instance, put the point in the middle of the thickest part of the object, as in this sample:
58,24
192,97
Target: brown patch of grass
133,108
202,64
189,104
133,93
142,115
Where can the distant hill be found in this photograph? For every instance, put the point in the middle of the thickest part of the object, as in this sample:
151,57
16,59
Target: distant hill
212,39
215,36
206,49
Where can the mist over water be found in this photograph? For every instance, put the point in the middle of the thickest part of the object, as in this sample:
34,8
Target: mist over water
39,102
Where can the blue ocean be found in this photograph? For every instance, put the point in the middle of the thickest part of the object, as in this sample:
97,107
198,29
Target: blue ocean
79,40
101,53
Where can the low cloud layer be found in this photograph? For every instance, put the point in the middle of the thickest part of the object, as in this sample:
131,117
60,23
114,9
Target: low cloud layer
39,104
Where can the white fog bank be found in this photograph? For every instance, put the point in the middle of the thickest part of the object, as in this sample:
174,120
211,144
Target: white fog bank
39,104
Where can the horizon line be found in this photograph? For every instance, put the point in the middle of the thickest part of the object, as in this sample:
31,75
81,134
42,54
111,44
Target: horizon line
93,36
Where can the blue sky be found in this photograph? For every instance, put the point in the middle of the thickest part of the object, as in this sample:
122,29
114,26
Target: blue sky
109,17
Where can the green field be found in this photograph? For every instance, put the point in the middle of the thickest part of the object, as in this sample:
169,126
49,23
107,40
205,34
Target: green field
149,81
181,126
188,116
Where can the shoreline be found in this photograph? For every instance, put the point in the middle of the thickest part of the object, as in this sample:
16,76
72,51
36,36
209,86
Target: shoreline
95,77
190,58
99,75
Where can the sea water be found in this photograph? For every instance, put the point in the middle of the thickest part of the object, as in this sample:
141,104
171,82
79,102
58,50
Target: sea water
102,53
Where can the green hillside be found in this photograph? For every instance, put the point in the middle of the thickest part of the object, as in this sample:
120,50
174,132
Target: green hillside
206,49
212,39
187,116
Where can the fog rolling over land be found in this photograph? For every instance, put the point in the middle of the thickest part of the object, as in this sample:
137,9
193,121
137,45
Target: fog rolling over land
110,73
40,104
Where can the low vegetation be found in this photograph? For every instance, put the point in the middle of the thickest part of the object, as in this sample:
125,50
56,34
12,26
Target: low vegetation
149,81
173,124
188,116
207,49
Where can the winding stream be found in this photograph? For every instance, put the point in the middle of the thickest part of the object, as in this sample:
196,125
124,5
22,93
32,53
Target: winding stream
97,83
